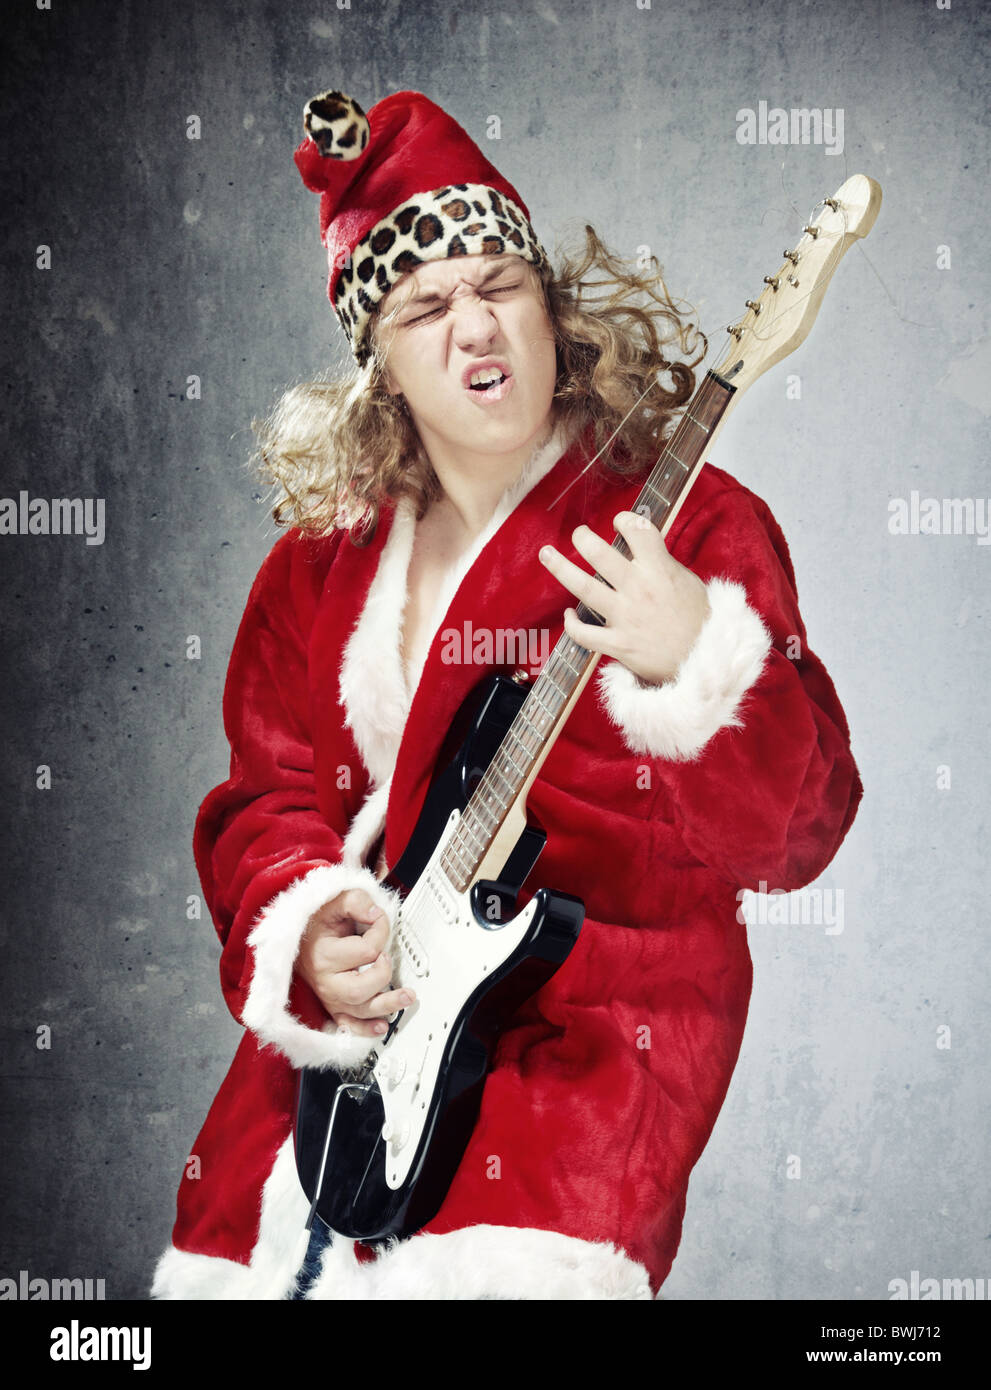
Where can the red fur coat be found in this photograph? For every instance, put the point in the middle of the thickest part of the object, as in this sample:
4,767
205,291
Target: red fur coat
659,803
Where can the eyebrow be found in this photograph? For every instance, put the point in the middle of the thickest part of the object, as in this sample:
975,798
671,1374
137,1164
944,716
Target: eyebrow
426,296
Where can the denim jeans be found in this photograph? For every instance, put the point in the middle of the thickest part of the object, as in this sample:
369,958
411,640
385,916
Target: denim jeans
320,1237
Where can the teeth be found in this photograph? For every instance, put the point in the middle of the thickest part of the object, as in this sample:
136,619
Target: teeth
485,377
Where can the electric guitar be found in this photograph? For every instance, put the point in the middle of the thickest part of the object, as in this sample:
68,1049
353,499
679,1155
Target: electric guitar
377,1149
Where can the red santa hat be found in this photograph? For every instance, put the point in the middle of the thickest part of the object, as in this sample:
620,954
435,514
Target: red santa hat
403,185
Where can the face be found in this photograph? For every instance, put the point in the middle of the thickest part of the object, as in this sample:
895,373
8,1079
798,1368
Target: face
450,326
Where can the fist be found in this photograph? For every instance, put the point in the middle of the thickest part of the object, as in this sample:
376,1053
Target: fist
343,958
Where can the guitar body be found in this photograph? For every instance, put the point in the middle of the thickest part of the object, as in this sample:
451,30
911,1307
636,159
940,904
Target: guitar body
471,963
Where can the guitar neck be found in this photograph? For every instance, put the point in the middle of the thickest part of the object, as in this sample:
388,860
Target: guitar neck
567,670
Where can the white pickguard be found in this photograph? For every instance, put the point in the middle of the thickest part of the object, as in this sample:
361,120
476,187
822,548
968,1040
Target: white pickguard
444,956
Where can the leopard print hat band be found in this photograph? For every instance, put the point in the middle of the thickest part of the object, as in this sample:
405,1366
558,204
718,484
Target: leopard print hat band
403,185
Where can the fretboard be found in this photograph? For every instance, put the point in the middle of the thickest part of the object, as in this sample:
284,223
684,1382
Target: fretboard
539,720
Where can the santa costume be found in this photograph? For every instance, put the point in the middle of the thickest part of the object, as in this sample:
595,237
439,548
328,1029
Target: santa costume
659,804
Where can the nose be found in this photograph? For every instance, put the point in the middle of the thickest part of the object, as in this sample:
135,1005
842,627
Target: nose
474,323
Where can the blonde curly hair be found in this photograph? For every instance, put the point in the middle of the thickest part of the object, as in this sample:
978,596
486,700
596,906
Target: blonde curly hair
339,448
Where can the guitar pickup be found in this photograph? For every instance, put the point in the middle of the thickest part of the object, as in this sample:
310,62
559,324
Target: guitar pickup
412,948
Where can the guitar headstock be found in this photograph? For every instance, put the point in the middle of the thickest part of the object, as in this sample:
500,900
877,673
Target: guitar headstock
780,319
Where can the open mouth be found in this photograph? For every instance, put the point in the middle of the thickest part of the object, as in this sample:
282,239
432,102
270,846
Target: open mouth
486,381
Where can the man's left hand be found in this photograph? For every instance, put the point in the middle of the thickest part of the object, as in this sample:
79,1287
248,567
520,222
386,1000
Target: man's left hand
654,609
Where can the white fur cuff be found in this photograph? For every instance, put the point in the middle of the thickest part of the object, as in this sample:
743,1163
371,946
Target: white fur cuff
484,1262
676,720
276,940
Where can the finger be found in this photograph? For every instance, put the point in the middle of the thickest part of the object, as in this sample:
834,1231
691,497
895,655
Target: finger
327,924
350,912
373,941
642,537
352,988
611,564
592,592
361,1027
357,905
329,952
389,1002
589,635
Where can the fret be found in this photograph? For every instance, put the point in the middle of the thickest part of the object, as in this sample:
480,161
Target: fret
482,792
524,720
495,771
494,814
568,677
463,834
535,695
520,772
466,826
690,416
528,731
455,849
478,817
547,676
565,662
554,694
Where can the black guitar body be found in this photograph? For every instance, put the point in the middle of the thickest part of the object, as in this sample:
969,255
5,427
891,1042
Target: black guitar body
355,1200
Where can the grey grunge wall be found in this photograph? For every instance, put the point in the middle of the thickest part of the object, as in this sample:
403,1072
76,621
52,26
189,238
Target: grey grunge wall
165,281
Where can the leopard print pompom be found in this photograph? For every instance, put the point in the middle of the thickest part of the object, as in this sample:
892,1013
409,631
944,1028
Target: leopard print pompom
336,124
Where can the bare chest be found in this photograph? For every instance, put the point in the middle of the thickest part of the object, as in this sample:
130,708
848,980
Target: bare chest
435,552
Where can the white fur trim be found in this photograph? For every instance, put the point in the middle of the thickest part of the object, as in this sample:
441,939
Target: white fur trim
478,1262
485,1262
373,685
367,826
676,720
275,1260
276,941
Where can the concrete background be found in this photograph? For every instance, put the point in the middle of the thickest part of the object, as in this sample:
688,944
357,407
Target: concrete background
173,257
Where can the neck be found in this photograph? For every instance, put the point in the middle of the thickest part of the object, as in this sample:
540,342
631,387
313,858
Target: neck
474,483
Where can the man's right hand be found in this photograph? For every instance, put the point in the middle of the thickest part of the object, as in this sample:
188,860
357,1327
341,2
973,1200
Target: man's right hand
343,958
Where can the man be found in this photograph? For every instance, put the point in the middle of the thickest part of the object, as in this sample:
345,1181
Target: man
701,759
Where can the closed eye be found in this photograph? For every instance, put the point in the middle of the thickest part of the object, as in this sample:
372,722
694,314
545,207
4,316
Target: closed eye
432,313
422,318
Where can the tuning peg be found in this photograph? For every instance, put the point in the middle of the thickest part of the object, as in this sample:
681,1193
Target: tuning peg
736,329
771,280
832,203
754,304
812,231
792,256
